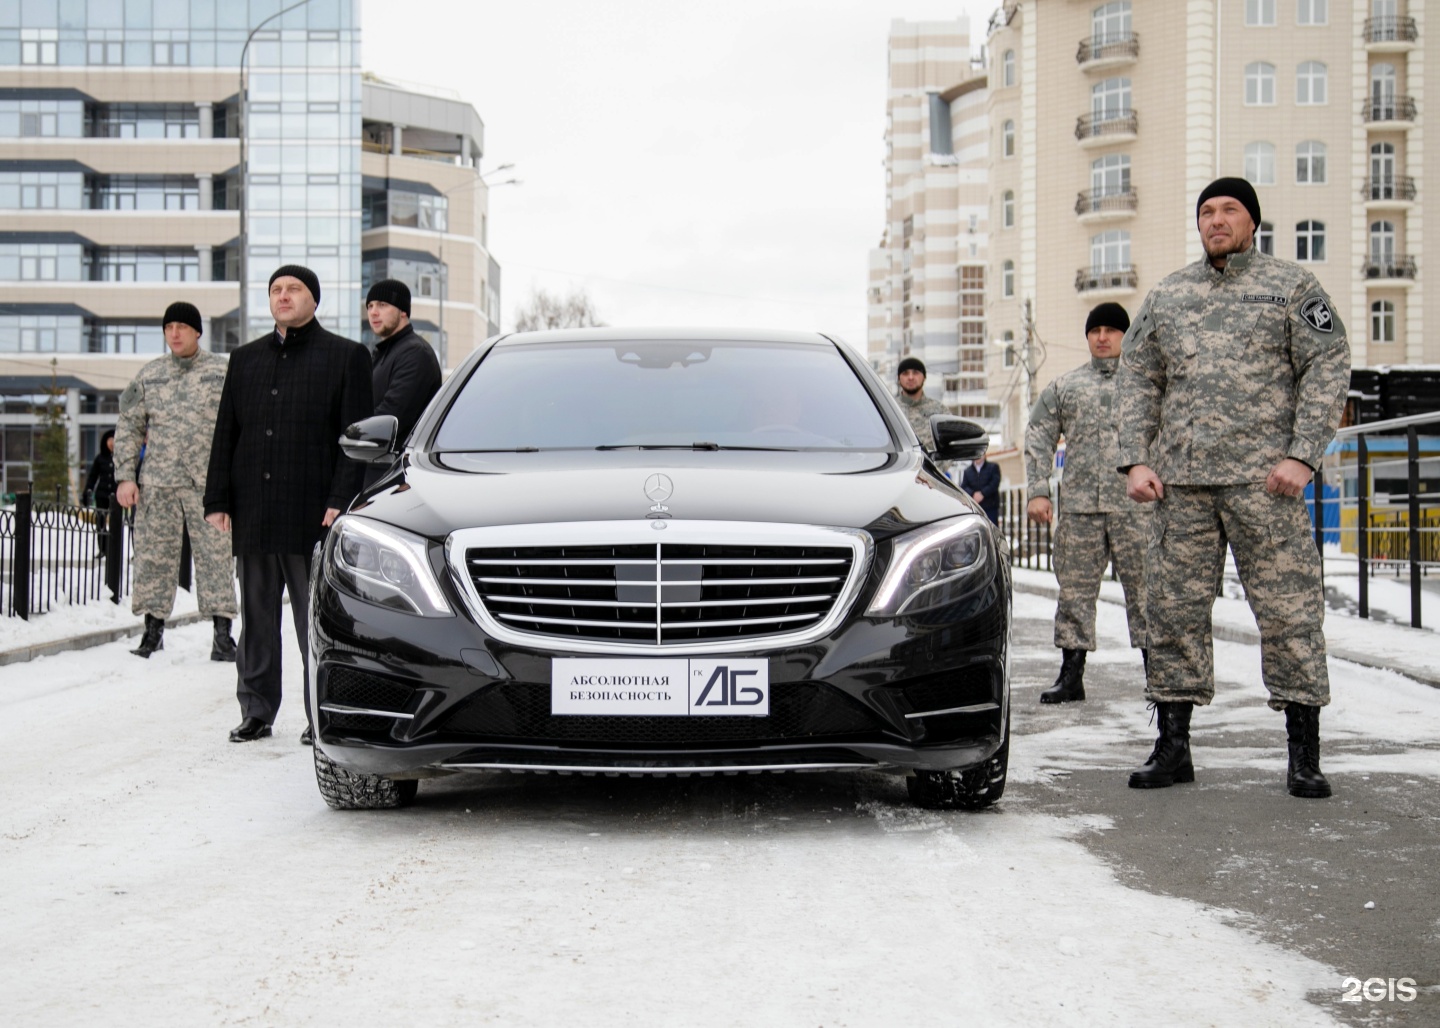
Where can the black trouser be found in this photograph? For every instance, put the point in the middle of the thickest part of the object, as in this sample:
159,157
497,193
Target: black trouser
264,578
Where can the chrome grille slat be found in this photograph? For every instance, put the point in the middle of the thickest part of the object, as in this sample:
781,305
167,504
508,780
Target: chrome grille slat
703,587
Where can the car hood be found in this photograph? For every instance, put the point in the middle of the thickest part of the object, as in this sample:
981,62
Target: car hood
883,493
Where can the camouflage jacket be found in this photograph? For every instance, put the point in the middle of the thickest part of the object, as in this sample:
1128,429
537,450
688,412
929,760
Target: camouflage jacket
174,400
1079,405
918,413
1225,373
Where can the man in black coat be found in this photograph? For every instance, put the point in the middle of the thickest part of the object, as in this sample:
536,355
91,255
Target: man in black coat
982,481
406,373
277,477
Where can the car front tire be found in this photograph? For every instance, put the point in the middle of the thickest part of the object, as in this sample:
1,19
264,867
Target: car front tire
346,790
972,789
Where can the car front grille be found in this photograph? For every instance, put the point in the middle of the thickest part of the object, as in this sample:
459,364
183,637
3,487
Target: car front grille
660,593
798,710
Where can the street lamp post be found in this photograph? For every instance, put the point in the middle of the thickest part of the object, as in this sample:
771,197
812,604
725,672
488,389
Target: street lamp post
244,91
478,180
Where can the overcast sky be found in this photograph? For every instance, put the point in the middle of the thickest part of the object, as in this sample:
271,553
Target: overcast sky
686,163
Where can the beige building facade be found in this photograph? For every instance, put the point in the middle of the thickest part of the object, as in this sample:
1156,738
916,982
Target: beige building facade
1106,119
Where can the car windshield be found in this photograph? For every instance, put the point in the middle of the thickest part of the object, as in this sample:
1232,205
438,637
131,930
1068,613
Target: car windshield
660,394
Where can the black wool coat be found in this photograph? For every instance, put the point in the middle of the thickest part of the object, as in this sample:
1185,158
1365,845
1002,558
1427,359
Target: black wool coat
405,377
275,461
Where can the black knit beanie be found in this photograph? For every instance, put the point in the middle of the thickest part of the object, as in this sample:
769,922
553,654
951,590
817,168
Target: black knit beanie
301,272
1108,315
391,291
910,364
186,314
1236,188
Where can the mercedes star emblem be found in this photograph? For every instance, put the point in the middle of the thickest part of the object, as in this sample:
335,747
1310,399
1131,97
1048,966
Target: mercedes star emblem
658,488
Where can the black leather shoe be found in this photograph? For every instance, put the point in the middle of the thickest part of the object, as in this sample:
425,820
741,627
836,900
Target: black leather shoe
307,737
249,730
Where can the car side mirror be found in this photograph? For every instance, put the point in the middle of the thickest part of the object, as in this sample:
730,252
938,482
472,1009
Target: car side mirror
371,440
958,438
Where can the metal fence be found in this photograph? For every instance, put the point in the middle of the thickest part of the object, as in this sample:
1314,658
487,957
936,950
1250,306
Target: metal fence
1376,507
55,553
1030,544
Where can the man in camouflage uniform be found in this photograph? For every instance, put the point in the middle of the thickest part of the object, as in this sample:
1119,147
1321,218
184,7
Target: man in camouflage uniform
170,408
1231,384
1099,523
917,406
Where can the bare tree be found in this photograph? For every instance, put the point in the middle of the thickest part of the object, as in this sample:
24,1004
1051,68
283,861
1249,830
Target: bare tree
545,309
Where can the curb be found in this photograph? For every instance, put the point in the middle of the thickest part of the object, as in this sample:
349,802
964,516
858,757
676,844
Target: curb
1251,637
84,642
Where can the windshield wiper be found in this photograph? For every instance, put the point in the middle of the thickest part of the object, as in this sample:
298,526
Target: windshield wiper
693,446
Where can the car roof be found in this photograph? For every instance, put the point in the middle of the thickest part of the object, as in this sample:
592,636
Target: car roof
635,335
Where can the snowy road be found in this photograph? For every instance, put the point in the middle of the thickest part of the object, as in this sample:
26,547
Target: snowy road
155,874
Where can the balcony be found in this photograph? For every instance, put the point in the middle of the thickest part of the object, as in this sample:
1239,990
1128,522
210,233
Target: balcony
1390,191
1106,128
1392,111
1105,204
1390,34
1106,281
1107,52
1394,269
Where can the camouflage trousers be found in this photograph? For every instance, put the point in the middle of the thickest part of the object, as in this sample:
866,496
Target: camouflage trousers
1084,545
1274,547
161,518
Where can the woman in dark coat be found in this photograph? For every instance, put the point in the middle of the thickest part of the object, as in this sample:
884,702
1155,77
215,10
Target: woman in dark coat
100,487
100,483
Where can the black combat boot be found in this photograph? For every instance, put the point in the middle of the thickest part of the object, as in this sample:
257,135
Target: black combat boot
153,639
1070,686
1169,763
1302,725
224,645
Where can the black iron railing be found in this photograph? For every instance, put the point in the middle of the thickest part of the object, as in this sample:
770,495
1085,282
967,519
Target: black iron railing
54,553
1391,28
1126,46
1389,108
1109,123
1389,267
1101,201
1389,187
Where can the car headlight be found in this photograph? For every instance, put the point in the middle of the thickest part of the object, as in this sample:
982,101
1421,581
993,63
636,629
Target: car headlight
935,565
384,565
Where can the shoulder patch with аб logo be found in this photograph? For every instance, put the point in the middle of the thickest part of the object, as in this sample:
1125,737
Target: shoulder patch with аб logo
1316,313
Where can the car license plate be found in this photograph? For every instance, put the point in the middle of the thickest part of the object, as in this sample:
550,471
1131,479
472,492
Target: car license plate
666,687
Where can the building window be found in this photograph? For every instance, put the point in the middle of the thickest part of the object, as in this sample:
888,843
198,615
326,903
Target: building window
1110,23
972,291
170,53
1260,13
1110,175
41,190
1007,68
105,52
1007,209
1007,139
1382,170
1008,341
1110,99
1007,279
1310,83
1312,12
1265,238
1382,242
1110,251
39,46
1384,85
1260,163
1382,322
1310,163
134,264
1259,84
1310,241
940,125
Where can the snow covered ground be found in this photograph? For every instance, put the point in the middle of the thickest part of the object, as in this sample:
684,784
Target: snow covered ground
155,874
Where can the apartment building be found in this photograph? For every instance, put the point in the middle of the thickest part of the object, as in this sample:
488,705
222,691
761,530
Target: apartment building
1105,120
928,275
139,166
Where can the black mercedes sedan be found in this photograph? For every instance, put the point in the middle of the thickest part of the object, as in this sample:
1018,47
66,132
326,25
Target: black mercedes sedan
661,553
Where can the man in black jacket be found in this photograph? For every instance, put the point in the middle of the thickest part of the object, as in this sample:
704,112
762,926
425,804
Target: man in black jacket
406,373
277,477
